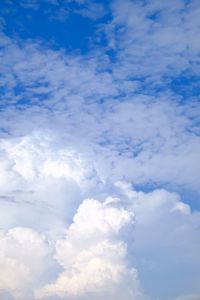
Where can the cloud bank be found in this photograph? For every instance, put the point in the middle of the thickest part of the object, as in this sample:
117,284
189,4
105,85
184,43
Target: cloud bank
99,155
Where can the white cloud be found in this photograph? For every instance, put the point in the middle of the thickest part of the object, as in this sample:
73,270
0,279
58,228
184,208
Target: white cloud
71,127
92,10
165,228
24,258
164,237
93,260
166,242
42,180
154,38
136,137
36,156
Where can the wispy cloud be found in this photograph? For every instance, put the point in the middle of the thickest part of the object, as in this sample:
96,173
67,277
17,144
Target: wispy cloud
154,40
150,134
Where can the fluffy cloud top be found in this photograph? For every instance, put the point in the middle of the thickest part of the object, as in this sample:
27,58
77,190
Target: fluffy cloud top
92,258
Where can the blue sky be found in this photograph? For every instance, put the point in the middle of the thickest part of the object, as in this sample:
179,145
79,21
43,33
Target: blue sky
99,150
61,24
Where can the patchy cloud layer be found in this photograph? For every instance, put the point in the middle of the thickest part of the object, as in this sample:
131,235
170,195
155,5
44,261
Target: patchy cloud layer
97,256
99,154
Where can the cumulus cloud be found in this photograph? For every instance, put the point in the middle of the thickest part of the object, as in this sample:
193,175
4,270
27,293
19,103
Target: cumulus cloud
92,258
100,240
24,257
165,241
81,139
39,176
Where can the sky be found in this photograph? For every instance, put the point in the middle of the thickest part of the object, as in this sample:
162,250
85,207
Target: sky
99,150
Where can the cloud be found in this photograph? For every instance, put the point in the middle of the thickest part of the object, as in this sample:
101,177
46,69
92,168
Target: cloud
93,260
42,192
40,179
59,10
188,297
154,39
92,10
113,240
165,242
29,4
82,137
150,134
24,257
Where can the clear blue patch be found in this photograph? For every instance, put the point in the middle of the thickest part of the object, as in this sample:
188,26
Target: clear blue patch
69,30
186,86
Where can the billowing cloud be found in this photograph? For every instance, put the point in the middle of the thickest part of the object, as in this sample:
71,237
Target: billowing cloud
165,241
24,258
92,258
99,155
160,228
